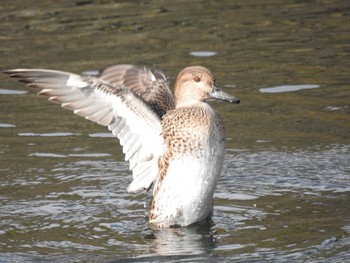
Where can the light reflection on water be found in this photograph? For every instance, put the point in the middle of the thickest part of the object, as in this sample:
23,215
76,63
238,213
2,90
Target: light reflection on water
12,92
288,88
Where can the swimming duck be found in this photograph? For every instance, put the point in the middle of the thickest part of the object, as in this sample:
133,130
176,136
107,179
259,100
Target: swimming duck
174,143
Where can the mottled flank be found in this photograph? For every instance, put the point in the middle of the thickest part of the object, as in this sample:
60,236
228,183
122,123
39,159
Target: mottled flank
175,143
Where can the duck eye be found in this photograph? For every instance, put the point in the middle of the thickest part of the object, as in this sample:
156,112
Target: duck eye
197,79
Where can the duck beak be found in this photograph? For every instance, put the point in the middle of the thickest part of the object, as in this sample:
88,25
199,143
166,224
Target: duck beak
219,94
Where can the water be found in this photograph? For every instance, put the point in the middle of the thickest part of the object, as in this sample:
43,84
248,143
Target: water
284,192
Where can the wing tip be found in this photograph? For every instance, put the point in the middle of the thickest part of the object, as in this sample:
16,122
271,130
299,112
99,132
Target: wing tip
13,73
134,188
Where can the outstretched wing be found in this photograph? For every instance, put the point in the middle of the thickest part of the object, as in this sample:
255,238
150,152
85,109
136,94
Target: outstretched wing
152,88
129,118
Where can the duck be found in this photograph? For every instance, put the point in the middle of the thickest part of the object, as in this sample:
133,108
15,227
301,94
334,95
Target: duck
174,144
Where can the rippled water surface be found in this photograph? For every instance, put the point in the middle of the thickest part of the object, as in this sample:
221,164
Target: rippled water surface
285,189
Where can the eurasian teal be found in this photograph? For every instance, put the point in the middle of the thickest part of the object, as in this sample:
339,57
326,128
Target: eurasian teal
175,143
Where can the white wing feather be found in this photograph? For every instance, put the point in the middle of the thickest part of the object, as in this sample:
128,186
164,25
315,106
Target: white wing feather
127,117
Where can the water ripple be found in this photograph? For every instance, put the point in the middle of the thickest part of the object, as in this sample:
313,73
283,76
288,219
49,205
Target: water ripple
326,170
